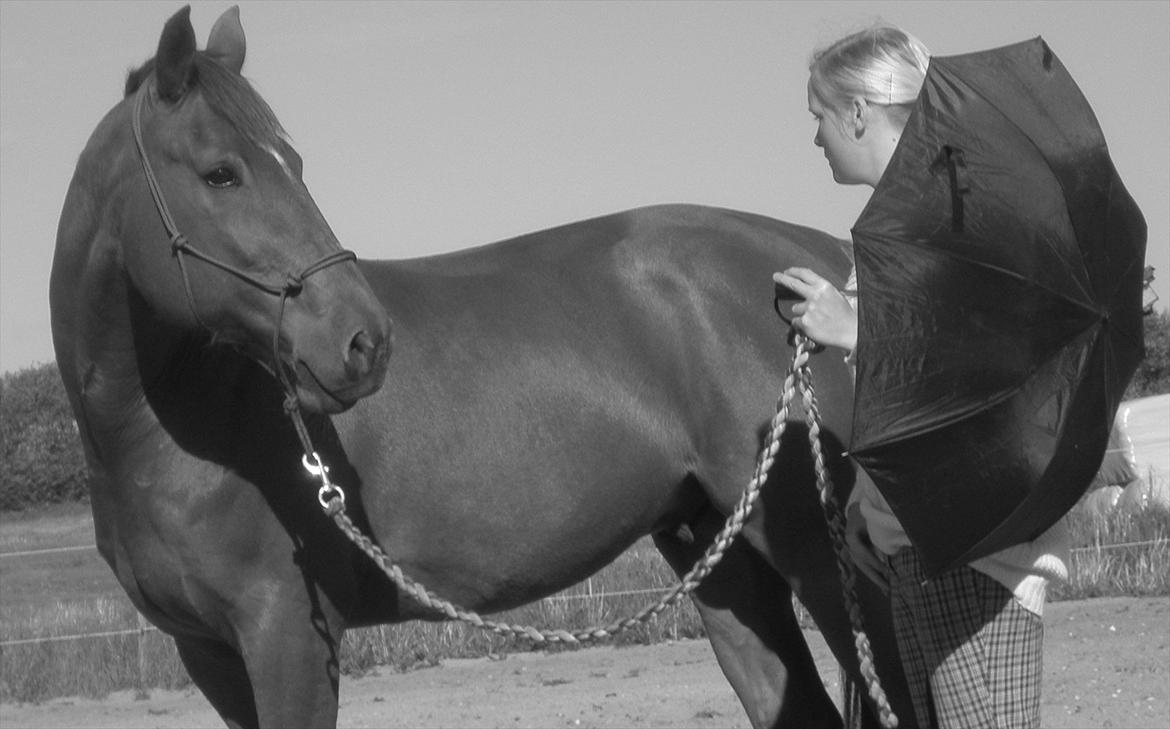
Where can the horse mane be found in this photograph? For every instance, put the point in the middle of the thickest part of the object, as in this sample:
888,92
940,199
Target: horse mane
228,94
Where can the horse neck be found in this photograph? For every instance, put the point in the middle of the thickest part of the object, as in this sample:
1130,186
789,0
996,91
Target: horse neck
148,392
118,360
88,294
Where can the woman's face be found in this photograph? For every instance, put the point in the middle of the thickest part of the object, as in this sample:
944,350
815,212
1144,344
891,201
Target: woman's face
844,153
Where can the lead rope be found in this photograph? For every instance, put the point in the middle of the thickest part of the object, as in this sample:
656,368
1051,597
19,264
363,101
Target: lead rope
332,499
799,377
835,519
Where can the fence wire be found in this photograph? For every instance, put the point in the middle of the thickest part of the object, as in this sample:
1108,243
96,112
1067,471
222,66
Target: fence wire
146,627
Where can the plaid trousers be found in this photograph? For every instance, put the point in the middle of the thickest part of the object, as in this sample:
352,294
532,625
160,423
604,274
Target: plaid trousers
973,656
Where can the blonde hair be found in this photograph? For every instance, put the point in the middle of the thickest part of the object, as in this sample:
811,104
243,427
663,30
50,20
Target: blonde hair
883,65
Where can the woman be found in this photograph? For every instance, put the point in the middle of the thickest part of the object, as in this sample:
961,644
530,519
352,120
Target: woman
971,639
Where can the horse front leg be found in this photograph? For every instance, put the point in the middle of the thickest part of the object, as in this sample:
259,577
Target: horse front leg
219,672
746,608
292,653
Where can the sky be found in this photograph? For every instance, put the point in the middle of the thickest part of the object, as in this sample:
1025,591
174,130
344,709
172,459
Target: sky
430,127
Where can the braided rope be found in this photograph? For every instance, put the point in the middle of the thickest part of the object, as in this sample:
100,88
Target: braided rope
687,583
799,377
332,498
835,519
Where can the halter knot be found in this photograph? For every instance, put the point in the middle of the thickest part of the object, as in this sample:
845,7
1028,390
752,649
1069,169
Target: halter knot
179,243
293,284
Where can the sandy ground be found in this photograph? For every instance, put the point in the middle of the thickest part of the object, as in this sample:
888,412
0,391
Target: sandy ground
1107,664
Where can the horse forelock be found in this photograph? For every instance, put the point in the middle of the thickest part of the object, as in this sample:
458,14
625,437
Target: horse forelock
136,76
229,95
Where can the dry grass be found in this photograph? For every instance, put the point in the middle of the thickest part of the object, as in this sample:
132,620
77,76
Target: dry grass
1122,553
73,592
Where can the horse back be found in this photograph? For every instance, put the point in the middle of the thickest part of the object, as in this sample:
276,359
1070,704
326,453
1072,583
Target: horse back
539,382
612,280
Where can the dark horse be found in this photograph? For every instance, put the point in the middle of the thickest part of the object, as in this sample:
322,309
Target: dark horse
550,400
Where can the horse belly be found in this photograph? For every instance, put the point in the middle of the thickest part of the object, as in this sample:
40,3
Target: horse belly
501,503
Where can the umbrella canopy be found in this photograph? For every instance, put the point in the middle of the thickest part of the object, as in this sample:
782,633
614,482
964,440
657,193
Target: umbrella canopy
1000,267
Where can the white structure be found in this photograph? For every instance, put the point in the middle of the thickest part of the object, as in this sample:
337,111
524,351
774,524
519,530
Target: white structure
1146,426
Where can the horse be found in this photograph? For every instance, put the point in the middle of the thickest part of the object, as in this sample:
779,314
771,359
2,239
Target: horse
505,420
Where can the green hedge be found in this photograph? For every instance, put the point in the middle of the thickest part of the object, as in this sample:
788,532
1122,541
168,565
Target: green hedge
1153,374
43,459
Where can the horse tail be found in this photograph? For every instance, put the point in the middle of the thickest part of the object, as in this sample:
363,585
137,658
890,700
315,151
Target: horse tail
852,703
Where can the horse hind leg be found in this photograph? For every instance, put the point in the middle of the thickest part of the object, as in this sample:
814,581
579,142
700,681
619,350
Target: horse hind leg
746,608
219,672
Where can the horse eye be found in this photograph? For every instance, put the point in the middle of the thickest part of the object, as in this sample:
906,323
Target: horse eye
221,177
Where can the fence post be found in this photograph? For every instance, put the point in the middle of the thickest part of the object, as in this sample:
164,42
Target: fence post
143,693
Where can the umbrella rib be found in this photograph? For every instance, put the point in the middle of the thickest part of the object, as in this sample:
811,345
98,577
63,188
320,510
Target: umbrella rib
977,88
909,434
1032,343
1094,316
1083,306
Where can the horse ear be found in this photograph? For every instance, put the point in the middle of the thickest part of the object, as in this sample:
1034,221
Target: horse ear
226,42
174,64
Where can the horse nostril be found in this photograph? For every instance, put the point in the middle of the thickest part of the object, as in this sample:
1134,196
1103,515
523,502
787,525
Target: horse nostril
361,355
361,343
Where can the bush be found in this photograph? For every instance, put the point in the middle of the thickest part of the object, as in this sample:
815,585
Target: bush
43,459
1153,374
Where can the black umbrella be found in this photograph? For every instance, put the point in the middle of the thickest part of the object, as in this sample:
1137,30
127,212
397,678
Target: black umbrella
1000,267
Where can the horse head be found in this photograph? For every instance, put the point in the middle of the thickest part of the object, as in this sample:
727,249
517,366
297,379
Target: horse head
251,258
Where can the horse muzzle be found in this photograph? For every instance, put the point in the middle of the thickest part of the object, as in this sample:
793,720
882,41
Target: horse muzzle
329,377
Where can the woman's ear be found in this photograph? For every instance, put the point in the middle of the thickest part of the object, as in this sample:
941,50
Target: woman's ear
858,120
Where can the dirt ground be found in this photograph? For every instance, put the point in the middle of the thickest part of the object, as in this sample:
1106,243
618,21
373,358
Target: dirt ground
1107,664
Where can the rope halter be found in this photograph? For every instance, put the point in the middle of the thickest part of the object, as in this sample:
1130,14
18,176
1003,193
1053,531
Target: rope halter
292,284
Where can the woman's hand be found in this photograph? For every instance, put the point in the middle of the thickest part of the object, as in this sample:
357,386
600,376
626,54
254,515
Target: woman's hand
824,316
865,556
